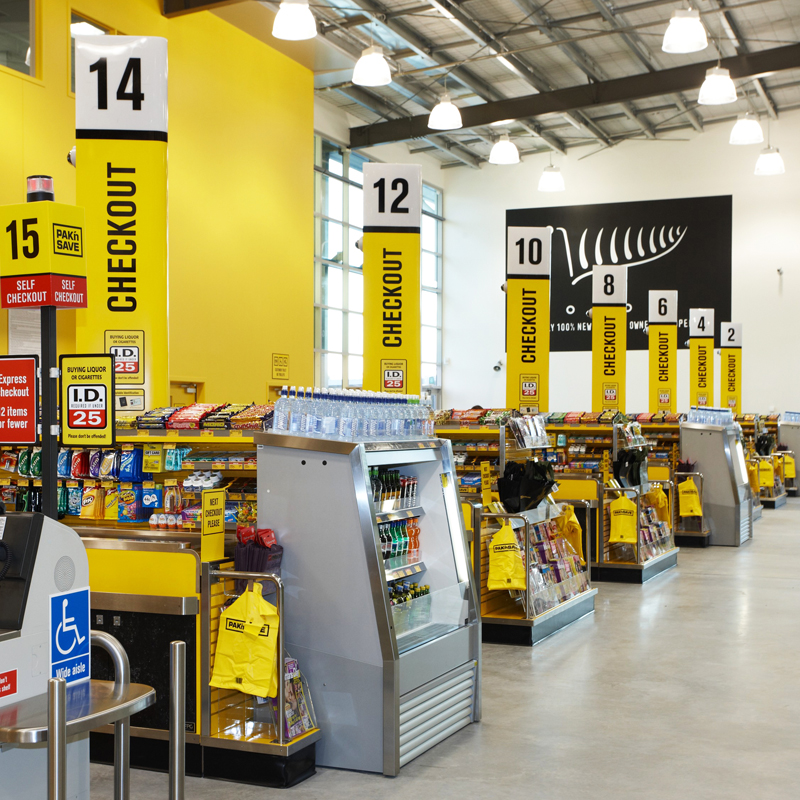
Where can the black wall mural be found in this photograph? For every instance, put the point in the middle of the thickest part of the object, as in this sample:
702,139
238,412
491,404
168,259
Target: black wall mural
682,244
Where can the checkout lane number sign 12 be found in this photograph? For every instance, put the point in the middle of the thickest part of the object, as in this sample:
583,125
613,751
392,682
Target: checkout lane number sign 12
87,400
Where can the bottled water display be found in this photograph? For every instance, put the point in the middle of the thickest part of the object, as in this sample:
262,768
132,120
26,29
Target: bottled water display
791,416
710,416
351,415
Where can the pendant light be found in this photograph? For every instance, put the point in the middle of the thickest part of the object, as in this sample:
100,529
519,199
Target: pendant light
504,151
372,69
552,180
770,162
718,88
445,115
294,21
747,130
685,33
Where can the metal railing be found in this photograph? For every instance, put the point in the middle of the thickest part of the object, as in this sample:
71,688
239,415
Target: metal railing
210,577
57,724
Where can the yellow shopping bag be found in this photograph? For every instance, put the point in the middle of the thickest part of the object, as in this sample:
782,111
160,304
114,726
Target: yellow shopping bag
246,657
569,527
766,474
789,467
658,499
689,499
623,520
506,565
752,477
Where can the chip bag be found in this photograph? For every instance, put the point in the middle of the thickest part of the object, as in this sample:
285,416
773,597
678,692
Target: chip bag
246,653
506,566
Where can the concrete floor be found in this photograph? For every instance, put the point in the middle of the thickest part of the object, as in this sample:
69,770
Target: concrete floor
687,687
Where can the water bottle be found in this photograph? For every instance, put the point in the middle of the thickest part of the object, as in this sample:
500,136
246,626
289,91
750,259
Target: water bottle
326,415
280,418
345,412
294,412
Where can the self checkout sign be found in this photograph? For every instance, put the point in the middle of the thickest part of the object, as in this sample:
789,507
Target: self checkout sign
87,400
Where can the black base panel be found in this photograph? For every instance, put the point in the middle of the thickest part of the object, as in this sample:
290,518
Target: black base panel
276,772
616,575
507,634
146,639
692,541
150,754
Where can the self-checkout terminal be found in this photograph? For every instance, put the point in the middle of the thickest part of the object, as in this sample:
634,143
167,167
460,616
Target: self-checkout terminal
44,621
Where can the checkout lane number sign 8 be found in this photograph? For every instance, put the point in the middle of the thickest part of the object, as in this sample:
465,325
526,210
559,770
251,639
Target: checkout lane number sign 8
87,405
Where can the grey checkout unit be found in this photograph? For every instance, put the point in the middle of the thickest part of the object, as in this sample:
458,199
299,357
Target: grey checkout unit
389,679
44,633
713,439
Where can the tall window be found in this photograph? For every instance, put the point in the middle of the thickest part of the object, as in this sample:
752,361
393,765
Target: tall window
81,26
339,278
17,39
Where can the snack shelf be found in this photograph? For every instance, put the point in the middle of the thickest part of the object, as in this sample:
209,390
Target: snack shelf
396,571
400,513
216,466
126,436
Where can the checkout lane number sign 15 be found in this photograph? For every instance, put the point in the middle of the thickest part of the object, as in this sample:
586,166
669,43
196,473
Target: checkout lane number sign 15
87,399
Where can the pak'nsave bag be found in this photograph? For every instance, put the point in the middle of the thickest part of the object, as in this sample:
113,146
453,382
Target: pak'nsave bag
658,499
766,474
789,467
689,499
506,566
246,655
569,527
623,520
752,477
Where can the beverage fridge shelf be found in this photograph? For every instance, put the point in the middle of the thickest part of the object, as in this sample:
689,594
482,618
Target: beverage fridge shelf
394,570
400,513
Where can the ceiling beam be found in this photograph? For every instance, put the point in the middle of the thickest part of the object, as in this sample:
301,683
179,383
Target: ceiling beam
575,98
176,8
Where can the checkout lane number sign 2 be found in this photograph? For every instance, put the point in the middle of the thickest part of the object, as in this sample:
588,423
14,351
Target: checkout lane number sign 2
70,640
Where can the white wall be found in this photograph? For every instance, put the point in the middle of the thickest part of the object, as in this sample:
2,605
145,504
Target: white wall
766,236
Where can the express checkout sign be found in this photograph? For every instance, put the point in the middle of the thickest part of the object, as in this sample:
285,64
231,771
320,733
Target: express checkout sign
19,399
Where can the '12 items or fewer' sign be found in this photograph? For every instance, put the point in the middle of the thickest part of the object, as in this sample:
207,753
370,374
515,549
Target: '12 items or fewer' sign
87,400
19,399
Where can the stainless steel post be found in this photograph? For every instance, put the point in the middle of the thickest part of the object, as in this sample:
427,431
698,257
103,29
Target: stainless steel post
177,720
281,668
56,739
122,727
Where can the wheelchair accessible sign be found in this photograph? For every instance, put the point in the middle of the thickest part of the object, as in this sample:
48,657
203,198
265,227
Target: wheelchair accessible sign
70,641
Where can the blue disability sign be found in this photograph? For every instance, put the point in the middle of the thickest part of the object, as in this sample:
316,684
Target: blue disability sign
69,635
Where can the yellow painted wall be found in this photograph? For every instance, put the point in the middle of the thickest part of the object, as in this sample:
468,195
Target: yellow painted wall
240,187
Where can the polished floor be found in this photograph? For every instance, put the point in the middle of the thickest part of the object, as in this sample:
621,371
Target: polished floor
687,687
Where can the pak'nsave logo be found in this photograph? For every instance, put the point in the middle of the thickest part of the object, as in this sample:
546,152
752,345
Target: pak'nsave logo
67,240
239,626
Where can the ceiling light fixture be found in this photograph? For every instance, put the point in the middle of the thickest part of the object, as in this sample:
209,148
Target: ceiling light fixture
747,130
552,180
770,162
502,123
445,115
685,33
718,88
372,69
294,21
504,151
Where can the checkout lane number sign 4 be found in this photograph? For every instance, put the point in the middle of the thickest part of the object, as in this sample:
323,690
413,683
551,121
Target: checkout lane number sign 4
70,639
